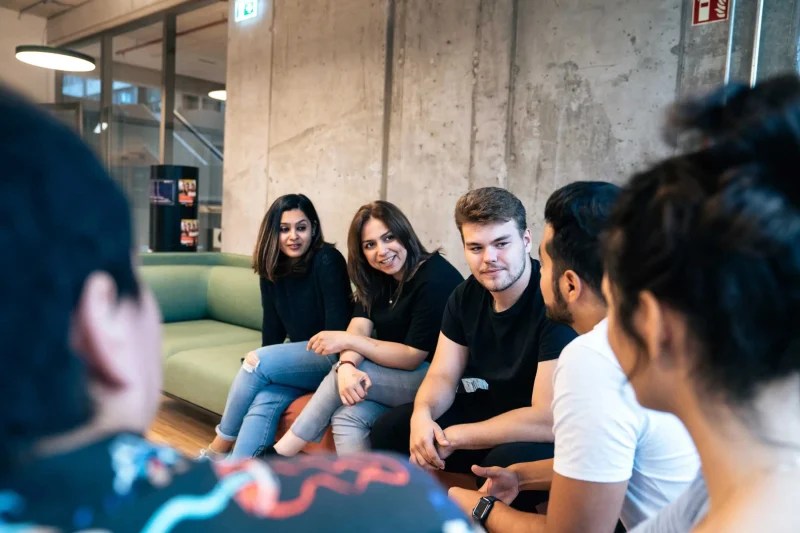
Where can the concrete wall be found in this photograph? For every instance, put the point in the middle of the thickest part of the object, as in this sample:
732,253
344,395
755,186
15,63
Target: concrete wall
417,101
34,82
592,80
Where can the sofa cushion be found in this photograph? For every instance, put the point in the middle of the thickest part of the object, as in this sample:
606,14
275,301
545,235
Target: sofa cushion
181,336
181,291
234,296
203,376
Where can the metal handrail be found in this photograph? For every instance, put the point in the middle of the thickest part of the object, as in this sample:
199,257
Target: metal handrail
200,137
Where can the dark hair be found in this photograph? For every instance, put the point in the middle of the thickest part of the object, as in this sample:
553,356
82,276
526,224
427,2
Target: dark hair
61,218
715,235
268,260
371,284
489,205
578,213
729,109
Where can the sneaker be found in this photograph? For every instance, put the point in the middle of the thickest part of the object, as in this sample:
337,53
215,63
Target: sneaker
207,454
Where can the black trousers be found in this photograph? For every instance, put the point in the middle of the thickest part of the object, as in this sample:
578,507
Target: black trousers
392,432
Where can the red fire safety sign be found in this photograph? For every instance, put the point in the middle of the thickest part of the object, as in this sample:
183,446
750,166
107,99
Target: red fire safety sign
706,11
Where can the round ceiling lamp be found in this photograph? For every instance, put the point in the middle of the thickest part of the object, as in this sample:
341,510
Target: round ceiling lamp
220,94
55,58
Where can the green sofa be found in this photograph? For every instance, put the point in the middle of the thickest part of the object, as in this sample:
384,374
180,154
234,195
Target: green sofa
211,307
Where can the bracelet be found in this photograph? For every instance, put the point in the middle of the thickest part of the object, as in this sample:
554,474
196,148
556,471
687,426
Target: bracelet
340,363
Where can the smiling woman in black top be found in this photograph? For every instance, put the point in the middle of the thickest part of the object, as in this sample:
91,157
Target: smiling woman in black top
401,292
304,290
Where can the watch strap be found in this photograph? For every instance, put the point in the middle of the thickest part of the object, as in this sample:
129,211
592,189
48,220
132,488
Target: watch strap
339,363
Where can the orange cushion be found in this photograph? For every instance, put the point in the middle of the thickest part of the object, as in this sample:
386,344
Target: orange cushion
324,446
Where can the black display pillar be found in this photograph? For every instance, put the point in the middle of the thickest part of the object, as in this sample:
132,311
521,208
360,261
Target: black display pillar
173,208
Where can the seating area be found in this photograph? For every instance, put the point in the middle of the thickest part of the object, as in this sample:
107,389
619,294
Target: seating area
211,311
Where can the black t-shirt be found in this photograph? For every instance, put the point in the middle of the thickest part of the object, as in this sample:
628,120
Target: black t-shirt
415,318
124,483
301,306
504,348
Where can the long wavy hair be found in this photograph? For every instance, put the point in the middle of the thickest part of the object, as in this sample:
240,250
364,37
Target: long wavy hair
372,284
268,260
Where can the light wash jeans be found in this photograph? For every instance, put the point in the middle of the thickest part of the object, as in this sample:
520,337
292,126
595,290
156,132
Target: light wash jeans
258,397
351,424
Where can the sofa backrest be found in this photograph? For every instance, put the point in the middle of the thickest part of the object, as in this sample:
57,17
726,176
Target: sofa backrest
194,286
234,296
181,290
196,258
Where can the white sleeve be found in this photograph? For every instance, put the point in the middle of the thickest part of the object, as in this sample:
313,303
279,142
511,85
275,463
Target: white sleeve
596,429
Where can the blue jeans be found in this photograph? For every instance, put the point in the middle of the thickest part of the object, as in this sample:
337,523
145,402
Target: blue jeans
351,424
260,395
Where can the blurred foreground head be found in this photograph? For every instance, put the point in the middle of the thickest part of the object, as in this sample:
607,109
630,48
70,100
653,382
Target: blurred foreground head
703,253
78,336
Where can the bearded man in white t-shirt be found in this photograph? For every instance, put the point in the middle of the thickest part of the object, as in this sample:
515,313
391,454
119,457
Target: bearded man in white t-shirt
614,460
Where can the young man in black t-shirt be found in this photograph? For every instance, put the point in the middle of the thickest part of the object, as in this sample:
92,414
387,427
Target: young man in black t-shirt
486,397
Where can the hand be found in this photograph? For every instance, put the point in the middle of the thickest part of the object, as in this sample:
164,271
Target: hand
502,483
466,499
353,384
329,342
424,431
452,437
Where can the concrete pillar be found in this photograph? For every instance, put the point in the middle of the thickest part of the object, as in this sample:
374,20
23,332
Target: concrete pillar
779,38
449,110
247,135
326,121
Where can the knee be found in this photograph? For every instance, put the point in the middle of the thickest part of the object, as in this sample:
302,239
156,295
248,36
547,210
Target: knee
251,362
346,421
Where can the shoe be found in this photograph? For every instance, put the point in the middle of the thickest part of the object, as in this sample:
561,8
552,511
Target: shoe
207,454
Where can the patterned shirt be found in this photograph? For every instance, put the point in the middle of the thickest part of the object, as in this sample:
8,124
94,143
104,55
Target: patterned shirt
125,483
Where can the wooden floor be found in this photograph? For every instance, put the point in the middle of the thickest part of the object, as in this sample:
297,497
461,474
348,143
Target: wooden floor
183,426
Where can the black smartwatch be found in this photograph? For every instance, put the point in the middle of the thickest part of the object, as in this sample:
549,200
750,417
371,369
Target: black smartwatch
481,511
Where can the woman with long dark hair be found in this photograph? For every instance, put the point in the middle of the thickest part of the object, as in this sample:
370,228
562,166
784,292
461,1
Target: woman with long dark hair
304,290
703,282
401,293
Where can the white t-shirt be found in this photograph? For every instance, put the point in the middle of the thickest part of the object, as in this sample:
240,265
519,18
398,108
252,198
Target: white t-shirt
603,435
682,515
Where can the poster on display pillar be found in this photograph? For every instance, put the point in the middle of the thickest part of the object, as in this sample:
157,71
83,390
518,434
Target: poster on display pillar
187,191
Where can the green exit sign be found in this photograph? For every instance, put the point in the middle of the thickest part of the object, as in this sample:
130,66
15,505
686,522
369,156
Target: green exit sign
245,9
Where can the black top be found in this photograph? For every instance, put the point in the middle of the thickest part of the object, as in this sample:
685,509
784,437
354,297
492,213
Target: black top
301,306
504,348
124,483
415,318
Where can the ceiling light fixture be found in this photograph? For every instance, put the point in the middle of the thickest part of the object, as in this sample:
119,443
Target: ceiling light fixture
55,58
220,94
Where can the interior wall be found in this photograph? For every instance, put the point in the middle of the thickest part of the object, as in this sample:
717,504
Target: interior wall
417,101
34,82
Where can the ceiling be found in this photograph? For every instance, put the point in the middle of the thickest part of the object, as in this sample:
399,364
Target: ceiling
201,43
41,8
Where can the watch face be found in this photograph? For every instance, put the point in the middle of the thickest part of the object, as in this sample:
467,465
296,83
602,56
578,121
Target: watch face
482,509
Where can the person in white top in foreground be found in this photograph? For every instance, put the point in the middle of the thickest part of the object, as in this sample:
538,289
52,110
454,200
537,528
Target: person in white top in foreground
614,460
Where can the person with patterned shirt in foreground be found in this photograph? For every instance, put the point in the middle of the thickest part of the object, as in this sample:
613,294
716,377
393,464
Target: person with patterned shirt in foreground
82,375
